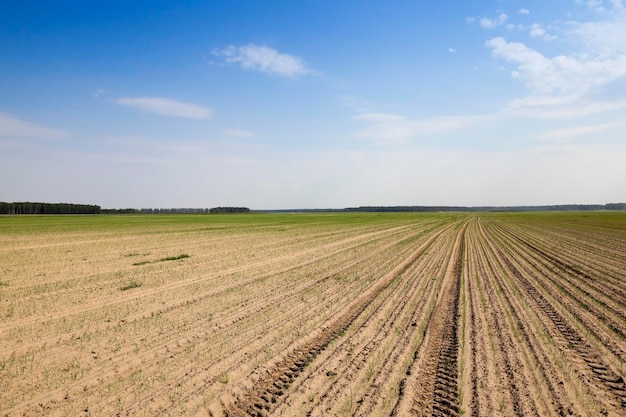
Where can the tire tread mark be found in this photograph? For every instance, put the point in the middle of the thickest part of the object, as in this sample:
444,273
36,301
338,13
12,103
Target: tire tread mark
603,373
259,399
432,390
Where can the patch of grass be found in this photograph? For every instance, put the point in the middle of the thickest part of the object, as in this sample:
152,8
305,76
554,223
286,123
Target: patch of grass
4,283
131,284
167,258
223,378
370,372
131,254
174,258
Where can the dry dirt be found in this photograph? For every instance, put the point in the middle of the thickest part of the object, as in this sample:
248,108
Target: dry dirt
426,315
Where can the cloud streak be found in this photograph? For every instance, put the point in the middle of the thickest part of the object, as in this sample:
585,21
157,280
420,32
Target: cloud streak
569,133
12,127
239,133
386,128
166,107
578,83
263,59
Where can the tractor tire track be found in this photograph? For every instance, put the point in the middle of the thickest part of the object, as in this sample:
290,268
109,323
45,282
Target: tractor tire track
264,388
431,385
606,376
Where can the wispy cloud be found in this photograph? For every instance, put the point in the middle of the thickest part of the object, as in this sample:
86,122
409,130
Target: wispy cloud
238,133
357,104
596,5
489,23
523,11
580,82
263,59
167,107
601,38
387,128
379,117
581,77
538,31
552,110
576,75
11,127
569,133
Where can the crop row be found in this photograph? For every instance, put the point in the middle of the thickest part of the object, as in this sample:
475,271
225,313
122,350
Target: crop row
476,314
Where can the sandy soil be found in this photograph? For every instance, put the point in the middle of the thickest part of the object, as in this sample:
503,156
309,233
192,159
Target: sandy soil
480,315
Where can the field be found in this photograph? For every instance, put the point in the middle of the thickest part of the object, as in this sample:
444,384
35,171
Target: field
314,314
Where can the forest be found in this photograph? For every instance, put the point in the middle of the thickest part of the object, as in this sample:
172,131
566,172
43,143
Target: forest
48,208
71,208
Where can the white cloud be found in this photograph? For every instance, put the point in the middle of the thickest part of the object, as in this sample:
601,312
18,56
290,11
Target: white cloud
543,101
451,50
167,107
488,23
12,127
596,5
536,30
588,79
357,104
263,59
606,38
523,11
568,133
238,133
386,128
601,6
561,74
278,178
617,4
577,109
379,117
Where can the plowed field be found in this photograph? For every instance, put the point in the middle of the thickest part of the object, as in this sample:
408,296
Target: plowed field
314,315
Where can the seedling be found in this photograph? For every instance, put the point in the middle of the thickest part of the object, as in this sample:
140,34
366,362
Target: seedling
131,284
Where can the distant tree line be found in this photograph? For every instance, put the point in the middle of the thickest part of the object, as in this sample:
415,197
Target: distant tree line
558,207
221,210
156,211
120,211
175,211
48,208
69,208
407,209
214,210
615,206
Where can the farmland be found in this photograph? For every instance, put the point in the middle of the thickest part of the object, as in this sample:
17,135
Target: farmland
483,314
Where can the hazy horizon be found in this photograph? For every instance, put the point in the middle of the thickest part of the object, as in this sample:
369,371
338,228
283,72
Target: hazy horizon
313,104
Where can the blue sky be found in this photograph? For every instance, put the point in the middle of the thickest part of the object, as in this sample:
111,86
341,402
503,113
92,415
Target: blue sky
302,104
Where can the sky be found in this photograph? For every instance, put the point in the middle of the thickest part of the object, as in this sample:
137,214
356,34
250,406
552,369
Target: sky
313,104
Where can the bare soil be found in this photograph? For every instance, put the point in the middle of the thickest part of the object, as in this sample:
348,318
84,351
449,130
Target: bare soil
425,315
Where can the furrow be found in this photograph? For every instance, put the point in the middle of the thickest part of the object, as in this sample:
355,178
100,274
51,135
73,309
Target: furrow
432,378
275,380
601,371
